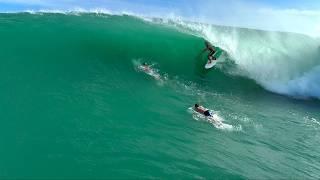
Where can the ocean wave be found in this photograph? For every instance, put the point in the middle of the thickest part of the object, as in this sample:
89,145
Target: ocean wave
284,63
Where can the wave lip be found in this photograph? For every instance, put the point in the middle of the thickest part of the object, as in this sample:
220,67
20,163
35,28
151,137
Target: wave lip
77,11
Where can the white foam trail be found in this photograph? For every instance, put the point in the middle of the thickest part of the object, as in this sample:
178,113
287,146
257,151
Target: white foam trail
153,72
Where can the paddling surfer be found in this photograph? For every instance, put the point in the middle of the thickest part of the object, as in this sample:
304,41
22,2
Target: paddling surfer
202,110
145,67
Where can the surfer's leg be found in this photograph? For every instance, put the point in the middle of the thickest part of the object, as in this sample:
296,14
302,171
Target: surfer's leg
211,53
210,58
207,113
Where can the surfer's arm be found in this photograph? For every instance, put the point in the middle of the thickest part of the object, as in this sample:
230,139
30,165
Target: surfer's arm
204,50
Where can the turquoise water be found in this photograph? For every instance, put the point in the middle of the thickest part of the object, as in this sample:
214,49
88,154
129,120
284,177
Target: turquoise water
74,104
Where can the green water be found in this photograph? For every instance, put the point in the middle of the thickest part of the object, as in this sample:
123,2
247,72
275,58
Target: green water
73,105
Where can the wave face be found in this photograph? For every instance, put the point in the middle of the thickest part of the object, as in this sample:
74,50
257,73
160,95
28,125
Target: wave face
74,98
284,63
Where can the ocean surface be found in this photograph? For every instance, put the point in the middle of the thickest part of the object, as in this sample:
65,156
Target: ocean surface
74,103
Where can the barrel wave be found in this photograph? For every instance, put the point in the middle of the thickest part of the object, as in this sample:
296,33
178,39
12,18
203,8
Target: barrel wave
284,63
75,104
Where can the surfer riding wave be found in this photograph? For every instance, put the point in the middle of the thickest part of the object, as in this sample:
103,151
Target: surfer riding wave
211,50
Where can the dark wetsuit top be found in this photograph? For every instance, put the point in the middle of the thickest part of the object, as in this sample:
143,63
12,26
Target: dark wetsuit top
207,113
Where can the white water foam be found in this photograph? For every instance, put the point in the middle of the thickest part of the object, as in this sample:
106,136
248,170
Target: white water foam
216,120
284,63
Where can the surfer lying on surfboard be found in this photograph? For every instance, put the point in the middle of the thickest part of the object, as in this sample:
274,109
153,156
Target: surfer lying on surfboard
145,67
211,50
202,110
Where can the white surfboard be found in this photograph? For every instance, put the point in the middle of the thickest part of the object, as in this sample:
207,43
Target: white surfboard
210,64
216,56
